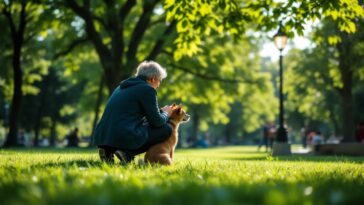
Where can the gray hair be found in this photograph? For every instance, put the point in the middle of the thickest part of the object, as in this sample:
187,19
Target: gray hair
151,69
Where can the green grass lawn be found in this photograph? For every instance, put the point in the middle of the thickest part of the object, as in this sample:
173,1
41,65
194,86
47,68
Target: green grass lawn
229,175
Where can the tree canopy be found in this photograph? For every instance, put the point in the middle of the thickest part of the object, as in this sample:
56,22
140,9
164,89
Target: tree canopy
209,48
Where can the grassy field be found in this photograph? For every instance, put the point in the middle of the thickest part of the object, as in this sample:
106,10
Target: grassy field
229,175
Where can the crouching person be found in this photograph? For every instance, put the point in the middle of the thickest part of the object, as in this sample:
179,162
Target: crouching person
132,121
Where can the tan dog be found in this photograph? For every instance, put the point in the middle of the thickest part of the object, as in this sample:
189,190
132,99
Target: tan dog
163,152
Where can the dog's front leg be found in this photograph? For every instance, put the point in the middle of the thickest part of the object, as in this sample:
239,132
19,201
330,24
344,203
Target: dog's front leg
171,154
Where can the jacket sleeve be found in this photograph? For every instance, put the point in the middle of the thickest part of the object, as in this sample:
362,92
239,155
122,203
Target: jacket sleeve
150,105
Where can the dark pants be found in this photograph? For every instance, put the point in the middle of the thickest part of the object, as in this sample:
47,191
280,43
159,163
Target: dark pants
155,135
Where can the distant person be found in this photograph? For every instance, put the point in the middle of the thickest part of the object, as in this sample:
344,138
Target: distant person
359,133
271,135
310,136
72,138
265,135
202,143
289,133
317,138
304,134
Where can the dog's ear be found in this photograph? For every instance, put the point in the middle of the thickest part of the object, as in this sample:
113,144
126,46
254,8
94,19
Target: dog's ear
179,110
174,105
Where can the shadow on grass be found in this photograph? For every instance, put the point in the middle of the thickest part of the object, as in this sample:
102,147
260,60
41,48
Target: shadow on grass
63,150
72,163
302,158
88,164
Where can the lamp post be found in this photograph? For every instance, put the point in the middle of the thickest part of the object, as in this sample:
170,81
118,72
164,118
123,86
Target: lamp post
281,147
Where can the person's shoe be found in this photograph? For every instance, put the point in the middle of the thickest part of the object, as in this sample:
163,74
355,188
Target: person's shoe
123,157
106,155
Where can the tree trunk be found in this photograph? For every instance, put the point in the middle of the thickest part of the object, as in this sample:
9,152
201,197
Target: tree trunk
97,107
345,49
17,97
42,104
53,137
119,61
17,35
348,120
228,131
112,76
337,130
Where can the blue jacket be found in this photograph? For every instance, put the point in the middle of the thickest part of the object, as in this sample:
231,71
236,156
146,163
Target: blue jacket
123,123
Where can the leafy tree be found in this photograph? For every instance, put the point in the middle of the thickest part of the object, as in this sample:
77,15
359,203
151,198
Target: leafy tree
5,74
349,61
18,14
326,73
223,74
196,19
30,24
117,43
123,33
116,39
309,89
55,102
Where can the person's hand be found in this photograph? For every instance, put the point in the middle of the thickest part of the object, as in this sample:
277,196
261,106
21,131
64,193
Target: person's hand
168,109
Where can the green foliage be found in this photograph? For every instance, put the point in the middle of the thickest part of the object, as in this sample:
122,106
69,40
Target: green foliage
88,71
307,82
314,80
6,84
225,59
196,19
55,103
311,83
49,33
231,175
223,73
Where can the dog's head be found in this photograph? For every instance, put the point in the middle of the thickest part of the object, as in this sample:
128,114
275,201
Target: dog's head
178,114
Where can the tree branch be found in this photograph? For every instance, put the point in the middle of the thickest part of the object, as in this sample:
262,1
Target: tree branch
82,12
161,20
8,16
115,29
70,48
210,77
23,22
140,28
158,47
86,4
109,2
100,20
29,37
94,36
124,11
